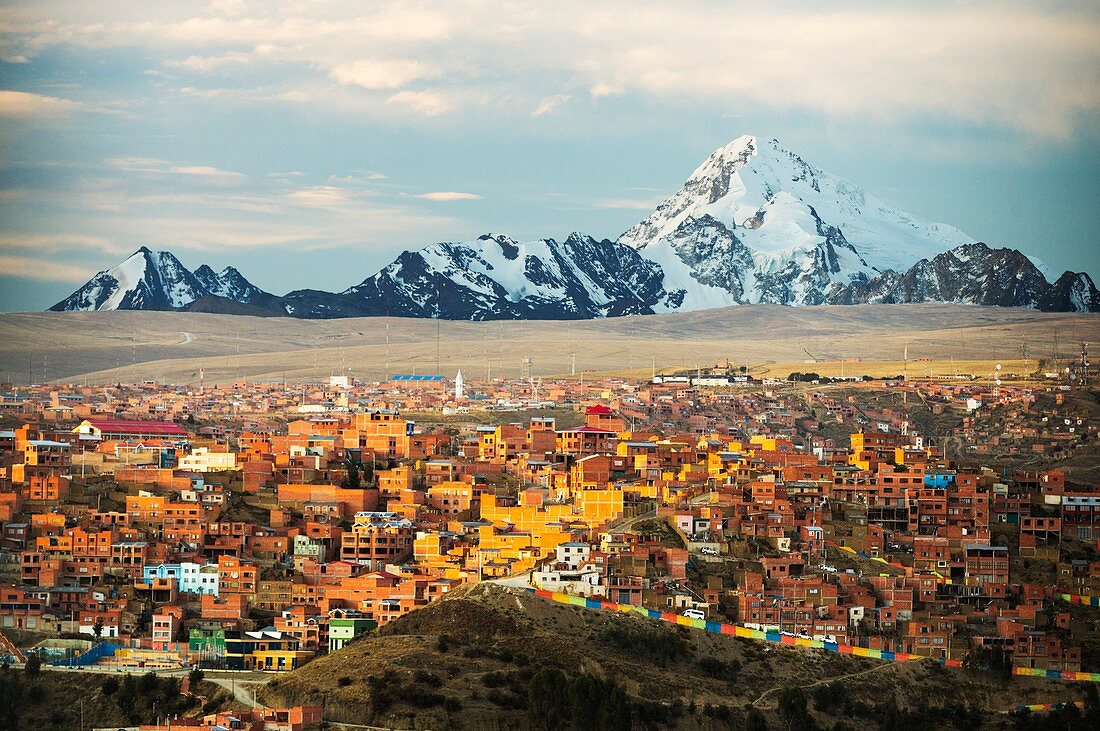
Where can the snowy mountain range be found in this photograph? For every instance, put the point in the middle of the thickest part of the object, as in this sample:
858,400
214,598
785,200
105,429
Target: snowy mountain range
753,223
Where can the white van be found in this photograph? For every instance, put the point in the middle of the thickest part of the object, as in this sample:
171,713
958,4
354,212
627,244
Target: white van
694,614
708,551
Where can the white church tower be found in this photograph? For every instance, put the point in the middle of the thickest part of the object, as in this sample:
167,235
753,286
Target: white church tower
460,392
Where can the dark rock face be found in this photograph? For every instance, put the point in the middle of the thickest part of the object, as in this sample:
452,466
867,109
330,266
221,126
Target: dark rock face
496,278
1072,292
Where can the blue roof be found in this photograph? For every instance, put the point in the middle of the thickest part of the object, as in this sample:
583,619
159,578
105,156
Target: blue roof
406,377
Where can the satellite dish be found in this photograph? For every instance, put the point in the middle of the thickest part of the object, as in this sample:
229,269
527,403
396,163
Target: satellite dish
997,381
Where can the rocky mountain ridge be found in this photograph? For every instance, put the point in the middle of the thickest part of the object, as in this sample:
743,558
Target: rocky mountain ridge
755,223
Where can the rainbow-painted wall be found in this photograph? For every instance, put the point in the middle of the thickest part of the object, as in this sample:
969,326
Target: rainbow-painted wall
1089,601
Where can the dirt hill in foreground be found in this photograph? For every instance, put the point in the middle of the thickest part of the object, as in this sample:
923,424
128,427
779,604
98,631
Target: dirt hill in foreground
480,657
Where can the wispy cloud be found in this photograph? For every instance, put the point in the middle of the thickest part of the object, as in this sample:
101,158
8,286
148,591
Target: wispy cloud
156,165
45,270
206,171
550,104
449,195
23,104
59,242
208,64
428,102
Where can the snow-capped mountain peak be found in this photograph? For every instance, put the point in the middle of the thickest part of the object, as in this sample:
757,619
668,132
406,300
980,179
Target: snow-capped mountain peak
228,283
743,181
157,280
796,221
146,280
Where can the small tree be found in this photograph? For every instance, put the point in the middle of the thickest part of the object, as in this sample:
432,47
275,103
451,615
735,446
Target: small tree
755,721
195,675
97,628
354,480
793,711
33,666
546,699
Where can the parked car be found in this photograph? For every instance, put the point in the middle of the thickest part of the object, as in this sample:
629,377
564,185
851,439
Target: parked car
694,614
708,551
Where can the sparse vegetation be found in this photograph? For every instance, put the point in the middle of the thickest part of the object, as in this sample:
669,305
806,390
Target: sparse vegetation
655,643
53,699
498,643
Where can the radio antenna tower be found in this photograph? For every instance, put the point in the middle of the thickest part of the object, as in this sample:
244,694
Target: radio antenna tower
1083,376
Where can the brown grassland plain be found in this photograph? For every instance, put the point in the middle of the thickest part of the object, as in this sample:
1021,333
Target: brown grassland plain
105,347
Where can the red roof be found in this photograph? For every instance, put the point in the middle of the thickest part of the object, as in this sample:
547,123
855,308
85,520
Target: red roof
122,426
598,409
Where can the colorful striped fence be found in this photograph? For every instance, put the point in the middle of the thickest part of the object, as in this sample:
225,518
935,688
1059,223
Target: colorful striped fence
722,628
1088,601
1057,674
726,629
1047,706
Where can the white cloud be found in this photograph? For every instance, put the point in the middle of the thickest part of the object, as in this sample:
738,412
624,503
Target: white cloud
207,64
22,104
227,7
429,102
206,171
381,74
156,165
601,89
17,58
550,104
449,195
1026,66
322,196
58,242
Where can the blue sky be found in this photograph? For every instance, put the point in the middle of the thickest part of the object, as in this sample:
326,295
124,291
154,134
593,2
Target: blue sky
309,142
